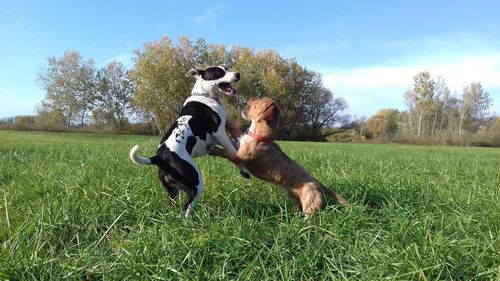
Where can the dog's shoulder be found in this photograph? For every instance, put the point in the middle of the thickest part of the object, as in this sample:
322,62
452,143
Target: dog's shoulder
250,150
213,104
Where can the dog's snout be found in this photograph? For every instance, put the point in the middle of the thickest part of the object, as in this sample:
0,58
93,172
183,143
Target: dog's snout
237,75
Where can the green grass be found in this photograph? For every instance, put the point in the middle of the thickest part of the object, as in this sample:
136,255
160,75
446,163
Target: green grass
73,206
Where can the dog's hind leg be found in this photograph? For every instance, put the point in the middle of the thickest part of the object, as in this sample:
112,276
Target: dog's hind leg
192,184
192,196
169,185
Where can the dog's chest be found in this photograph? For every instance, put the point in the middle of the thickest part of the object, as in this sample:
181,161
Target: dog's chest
244,139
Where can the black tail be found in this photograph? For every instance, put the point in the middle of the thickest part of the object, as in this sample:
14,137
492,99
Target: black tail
156,160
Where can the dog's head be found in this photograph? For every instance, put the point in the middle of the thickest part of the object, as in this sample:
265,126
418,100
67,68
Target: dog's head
214,81
262,110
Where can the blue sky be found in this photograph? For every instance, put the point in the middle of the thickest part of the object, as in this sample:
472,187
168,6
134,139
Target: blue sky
366,51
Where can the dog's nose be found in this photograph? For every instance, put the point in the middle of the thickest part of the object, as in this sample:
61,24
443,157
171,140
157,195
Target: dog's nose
237,74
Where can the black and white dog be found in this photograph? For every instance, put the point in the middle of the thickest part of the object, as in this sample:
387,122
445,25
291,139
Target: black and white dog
199,128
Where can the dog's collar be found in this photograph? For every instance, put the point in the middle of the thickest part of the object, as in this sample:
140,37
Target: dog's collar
206,95
259,138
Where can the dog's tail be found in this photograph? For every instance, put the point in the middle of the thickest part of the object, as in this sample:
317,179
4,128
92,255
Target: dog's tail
138,159
334,195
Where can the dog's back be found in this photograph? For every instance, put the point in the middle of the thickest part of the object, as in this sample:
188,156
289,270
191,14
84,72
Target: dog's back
202,123
268,162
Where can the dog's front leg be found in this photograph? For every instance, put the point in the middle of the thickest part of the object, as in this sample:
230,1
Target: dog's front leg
229,152
233,130
221,152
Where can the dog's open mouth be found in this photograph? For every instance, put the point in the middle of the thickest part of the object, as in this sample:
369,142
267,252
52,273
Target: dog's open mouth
227,88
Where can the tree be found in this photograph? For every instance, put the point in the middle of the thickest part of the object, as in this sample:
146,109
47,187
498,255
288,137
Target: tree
420,99
114,94
448,106
441,97
384,123
155,76
161,86
434,112
69,88
24,121
309,110
474,108
324,115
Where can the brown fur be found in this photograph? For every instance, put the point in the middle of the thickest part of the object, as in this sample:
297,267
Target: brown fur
267,161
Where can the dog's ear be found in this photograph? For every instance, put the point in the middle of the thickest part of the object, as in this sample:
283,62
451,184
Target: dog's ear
271,113
194,72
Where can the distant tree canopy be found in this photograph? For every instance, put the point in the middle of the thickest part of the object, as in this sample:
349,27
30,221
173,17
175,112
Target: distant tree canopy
69,86
432,109
74,92
309,110
153,92
114,89
433,113
156,87
385,123
159,75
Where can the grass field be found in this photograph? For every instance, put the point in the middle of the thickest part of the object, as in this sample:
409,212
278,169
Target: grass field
73,206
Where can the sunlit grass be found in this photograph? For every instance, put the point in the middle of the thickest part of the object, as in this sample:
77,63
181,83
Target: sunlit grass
74,206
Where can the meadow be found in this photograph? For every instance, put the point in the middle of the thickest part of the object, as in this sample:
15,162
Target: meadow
73,206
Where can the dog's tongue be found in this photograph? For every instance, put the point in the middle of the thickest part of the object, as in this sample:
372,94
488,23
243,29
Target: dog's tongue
232,91
226,87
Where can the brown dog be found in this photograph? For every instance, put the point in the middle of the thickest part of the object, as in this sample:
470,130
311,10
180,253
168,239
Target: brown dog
266,161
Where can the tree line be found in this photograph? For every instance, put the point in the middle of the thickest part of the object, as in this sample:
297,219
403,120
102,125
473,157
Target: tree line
151,94
147,98
437,116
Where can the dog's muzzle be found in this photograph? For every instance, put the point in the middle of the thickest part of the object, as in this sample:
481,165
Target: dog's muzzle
227,89
226,86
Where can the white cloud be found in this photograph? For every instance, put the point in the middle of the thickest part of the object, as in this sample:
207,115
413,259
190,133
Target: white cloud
473,69
369,89
208,19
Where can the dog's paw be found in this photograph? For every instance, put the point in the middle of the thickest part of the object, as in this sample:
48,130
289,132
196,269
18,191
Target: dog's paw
211,149
245,174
